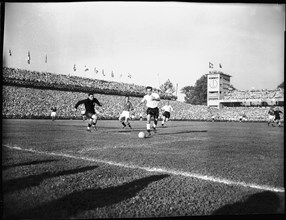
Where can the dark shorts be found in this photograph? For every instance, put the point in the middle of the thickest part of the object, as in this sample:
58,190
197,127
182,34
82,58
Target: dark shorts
166,114
277,117
153,112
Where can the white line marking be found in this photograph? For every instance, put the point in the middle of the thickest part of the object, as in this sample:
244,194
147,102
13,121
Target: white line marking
158,170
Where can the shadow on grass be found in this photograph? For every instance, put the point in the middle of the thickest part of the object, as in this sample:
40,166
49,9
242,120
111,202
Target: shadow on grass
35,180
4,167
260,203
183,132
88,199
129,130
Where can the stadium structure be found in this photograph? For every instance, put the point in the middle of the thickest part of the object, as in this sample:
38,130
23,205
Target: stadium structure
220,93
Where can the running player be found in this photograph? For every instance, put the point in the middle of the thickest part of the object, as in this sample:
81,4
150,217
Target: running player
152,100
167,111
53,113
271,116
277,116
89,110
127,107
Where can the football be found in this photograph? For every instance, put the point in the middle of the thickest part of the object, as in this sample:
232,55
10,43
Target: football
141,134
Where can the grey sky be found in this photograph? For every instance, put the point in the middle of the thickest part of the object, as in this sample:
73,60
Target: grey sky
151,41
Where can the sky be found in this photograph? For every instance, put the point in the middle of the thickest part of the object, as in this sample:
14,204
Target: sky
152,41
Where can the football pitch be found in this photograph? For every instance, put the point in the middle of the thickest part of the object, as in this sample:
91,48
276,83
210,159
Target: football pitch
56,169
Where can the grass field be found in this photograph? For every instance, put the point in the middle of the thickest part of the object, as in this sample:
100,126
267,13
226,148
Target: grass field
59,170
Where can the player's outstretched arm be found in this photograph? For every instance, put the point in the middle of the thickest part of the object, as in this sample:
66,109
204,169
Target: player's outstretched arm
141,102
97,102
79,103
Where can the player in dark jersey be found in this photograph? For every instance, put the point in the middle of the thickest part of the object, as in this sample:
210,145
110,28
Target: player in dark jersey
90,113
127,107
277,116
53,113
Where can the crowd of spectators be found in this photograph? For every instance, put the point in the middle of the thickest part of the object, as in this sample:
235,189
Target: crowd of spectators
22,102
31,94
264,94
73,83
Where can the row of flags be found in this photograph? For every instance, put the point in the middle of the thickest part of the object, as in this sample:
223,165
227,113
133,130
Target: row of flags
74,67
29,57
211,66
86,69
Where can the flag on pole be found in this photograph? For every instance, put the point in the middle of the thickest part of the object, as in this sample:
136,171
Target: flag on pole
46,59
29,57
129,75
210,65
220,66
112,74
10,53
74,68
103,72
95,70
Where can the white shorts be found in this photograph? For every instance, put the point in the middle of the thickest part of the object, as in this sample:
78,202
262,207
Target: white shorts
271,117
82,112
125,114
53,114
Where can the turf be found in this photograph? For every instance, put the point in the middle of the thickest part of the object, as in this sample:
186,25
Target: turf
45,183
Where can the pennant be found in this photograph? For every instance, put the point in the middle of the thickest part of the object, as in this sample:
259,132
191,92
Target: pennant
112,74
210,65
95,70
103,72
29,57
86,68
46,59
220,66
129,75
10,53
74,68
120,75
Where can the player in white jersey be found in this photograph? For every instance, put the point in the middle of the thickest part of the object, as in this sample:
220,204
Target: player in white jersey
53,113
167,111
152,100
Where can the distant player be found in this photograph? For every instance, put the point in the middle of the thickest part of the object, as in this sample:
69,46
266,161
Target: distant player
271,116
213,118
152,100
127,107
53,113
90,113
141,117
167,112
242,117
277,116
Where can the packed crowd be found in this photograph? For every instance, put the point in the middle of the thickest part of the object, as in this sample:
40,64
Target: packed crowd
72,82
21,102
264,94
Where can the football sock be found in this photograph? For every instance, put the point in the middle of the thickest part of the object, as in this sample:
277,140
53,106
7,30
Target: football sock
128,124
123,124
156,121
148,127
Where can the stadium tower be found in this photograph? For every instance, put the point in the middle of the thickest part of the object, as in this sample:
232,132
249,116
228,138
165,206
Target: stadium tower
218,86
